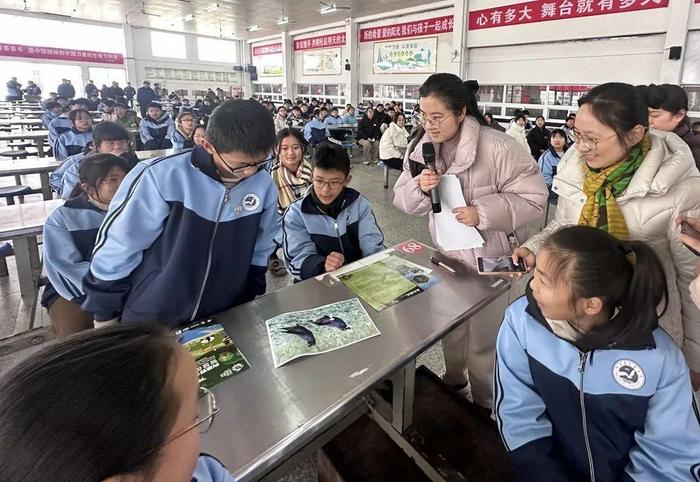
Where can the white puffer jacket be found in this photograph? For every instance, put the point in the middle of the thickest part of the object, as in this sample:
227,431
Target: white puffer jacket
393,142
666,185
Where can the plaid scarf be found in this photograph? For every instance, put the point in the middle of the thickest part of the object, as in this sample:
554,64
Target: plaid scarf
603,186
291,186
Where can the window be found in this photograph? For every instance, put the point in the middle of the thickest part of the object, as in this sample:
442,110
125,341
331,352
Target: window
558,114
404,94
490,93
169,45
526,94
693,98
334,92
216,50
566,94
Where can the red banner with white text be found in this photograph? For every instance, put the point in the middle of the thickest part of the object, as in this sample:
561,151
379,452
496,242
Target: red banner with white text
267,49
51,53
429,26
546,10
322,41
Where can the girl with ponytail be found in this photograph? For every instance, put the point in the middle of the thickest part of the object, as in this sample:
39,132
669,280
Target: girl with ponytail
587,386
503,190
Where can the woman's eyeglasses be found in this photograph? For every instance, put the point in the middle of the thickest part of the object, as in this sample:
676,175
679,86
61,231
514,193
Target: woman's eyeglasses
432,121
206,411
588,142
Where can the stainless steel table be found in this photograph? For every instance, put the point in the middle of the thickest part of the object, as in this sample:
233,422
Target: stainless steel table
22,224
268,416
41,166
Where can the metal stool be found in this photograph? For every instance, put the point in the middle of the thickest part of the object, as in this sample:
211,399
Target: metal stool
15,154
9,193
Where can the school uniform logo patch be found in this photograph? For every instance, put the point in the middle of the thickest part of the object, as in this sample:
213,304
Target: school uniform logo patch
628,374
251,201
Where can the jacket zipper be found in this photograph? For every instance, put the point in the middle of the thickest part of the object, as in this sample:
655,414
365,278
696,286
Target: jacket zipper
224,201
337,234
581,369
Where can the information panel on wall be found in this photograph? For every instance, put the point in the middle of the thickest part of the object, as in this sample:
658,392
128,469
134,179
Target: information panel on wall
322,62
428,26
414,56
268,59
546,10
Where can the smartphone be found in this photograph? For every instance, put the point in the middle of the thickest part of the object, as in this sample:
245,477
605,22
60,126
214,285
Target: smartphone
688,230
500,265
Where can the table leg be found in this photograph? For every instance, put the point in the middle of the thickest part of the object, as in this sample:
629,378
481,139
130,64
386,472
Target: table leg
45,187
404,381
40,147
28,264
386,176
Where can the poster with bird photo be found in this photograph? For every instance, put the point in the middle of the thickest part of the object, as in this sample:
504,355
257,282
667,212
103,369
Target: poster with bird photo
318,330
215,354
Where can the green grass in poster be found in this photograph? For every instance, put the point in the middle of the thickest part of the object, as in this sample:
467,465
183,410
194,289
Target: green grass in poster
379,285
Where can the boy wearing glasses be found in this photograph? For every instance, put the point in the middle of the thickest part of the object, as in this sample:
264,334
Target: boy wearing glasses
332,225
189,235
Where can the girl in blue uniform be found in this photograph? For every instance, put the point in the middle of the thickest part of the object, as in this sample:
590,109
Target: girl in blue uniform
69,236
73,141
587,386
110,405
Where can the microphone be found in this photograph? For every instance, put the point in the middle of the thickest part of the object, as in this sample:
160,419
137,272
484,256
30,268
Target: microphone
429,159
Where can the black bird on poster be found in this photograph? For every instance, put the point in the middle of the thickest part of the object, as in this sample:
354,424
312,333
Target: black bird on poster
326,320
302,332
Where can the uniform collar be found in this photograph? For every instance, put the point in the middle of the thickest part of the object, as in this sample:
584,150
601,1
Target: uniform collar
311,205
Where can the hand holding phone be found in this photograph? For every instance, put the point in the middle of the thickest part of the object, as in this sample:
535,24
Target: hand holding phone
500,266
690,233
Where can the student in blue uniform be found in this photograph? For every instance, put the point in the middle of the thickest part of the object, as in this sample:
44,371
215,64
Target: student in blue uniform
62,123
52,111
182,136
587,386
69,236
189,235
74,141
549,160
156,128
332,224
114,405
107,138
316,131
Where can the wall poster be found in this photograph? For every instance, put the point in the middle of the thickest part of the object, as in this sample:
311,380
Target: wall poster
412,56
322,62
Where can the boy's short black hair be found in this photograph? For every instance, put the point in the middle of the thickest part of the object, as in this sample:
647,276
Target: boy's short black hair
297,108
53,105
316,112
323,109
334,109
570,118
525,112
241,125
73,115
332,157
154,104
109,131
79,101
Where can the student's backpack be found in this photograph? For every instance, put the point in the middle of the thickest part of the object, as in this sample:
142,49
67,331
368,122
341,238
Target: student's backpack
317,136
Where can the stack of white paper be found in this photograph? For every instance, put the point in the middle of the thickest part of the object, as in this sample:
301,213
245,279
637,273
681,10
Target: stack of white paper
451,234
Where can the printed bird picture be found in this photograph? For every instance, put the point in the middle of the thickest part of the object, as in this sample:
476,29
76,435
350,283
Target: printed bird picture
302,332
326,320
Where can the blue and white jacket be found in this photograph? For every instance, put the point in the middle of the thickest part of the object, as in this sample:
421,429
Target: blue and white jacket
178,245
156,134
350,119
309,235
69,236
179,141
209,469
548,162
331,121
48,117
315,131
70,143
58,126
624,413
67,171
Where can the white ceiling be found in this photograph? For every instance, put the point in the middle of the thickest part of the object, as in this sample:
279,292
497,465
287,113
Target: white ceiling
230,20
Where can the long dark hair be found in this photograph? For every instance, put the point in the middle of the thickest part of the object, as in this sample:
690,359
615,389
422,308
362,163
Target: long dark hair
627,275
289,132
619,106
95,167
95,405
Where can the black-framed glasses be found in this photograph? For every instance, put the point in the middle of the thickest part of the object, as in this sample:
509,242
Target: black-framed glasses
258,165
320,183
206,411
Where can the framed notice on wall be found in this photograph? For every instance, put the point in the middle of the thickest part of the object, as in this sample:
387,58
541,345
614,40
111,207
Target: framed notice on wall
269,65
321,62
408,56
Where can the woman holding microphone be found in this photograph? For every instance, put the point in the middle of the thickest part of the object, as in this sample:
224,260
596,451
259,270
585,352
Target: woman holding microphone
503,190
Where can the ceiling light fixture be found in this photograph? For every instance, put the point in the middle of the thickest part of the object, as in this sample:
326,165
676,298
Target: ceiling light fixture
283,21
328,8
212,7
253,28
188,18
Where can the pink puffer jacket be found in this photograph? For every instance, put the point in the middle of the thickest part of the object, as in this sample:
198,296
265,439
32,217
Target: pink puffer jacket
498,177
